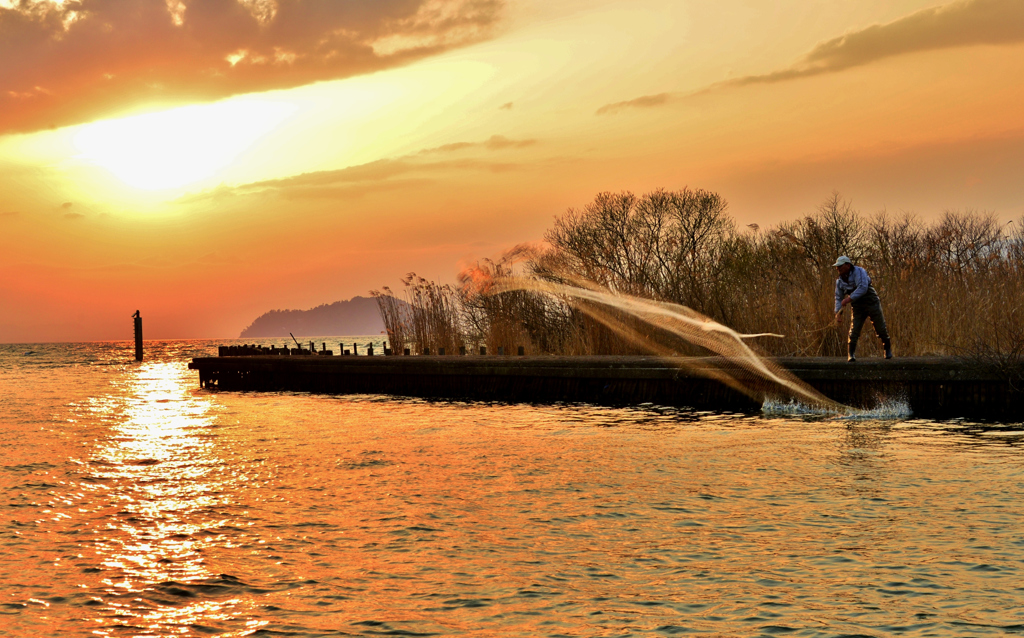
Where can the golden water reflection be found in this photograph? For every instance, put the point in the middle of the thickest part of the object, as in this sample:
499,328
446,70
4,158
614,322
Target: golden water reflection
227,514
167,493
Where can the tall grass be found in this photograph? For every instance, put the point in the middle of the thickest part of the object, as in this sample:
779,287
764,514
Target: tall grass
396,316
431,316
954,286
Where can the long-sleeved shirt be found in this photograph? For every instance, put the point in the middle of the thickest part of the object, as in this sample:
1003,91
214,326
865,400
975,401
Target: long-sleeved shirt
857,284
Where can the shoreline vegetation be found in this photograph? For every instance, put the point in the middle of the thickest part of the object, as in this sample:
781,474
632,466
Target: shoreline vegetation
949,287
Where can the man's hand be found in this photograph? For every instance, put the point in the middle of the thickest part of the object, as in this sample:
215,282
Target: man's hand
846,301
839,317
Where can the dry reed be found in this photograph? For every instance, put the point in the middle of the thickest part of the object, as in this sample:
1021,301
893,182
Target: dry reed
951,287
429,319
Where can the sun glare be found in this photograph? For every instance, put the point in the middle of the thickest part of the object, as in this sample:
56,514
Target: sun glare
181,146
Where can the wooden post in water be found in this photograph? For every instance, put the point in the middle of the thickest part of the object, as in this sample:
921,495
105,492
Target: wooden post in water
138,335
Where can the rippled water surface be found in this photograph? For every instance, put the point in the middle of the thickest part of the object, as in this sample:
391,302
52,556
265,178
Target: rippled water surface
137,504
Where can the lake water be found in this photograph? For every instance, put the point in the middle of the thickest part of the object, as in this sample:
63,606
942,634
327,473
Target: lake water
137,504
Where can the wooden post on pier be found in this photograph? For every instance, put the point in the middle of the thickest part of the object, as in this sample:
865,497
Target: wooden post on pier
138,335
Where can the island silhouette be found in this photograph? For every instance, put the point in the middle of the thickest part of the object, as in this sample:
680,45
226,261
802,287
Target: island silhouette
356,316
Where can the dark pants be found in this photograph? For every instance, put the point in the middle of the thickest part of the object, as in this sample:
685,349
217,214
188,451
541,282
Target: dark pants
864,309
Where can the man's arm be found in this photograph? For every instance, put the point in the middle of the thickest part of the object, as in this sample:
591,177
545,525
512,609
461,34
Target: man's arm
839,298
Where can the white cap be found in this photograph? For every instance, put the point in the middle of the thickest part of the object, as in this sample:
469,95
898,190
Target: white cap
842,260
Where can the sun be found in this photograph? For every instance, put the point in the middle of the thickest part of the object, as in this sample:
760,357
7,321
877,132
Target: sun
182,146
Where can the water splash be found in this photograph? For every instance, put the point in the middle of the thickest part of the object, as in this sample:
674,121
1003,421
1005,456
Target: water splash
777,407
888,409
761,375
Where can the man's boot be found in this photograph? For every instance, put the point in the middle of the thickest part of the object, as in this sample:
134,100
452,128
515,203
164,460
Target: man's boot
888,349
851,349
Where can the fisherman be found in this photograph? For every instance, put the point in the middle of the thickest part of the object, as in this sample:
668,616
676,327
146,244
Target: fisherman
853,288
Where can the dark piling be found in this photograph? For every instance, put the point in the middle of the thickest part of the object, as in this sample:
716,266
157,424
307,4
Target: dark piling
138,335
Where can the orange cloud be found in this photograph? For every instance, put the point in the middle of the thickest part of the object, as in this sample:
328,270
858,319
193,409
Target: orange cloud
644,101
74,61
387,173
494,143
355,180
958,24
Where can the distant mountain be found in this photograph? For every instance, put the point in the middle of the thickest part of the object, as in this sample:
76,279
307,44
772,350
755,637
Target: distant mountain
357,316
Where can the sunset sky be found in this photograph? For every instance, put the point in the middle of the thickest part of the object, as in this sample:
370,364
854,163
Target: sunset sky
204,161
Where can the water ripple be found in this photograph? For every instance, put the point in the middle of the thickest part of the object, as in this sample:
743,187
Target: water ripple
138,504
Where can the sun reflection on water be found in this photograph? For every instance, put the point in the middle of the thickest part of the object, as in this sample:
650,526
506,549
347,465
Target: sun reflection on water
170,495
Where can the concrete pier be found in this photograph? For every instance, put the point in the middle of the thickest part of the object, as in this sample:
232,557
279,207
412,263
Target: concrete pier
934,387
